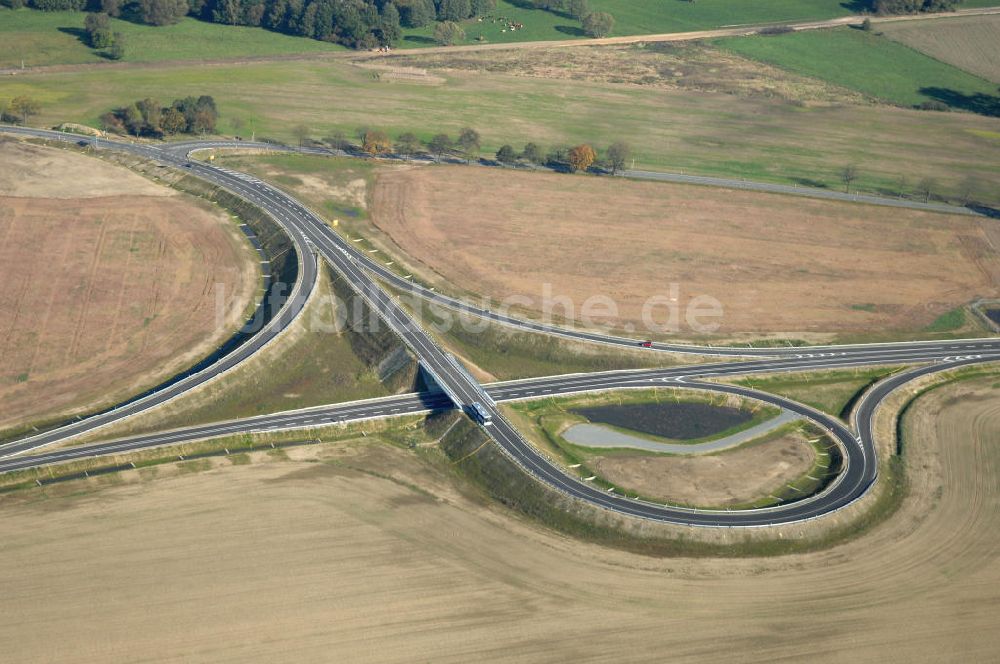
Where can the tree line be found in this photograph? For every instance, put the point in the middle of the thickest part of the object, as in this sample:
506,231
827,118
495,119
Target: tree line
467,145
911,6
147,117
354,23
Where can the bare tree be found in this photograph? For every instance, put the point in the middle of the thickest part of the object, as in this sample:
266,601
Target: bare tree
301,133
848,175
926,188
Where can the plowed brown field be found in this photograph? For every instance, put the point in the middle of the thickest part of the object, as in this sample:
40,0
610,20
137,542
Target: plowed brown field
109,290
778,264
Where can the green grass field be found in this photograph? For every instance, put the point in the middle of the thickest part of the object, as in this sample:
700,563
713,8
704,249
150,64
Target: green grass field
47,38
867,62
677,130
832,392
642,17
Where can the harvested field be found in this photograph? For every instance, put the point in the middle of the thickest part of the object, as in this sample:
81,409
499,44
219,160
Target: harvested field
777,264
350,560
735,477
692,66
108,289
971,43
33,171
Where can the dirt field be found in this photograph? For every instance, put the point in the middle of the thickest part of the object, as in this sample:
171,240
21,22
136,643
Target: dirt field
969,43
685,66
298,561
777,264
110,287
718,480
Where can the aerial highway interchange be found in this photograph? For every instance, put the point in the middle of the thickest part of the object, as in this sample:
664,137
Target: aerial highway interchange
312,236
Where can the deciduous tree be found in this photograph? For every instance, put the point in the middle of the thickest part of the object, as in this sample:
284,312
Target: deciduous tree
926,188
469,143
407,144
506,155
98,29
117,51
162,12
24,107
439,145
376,143
577,9
581,157
448,33
532,152
598,24
619,153
454,10
848,175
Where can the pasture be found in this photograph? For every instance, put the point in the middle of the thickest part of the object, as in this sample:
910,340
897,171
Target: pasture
712,133
867,62
55,38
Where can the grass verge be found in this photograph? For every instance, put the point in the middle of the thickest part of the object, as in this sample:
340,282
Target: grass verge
832,392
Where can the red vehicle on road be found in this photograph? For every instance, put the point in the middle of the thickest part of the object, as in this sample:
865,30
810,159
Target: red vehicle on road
646,344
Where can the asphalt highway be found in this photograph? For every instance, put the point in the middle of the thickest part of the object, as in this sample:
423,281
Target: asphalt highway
460,389
860,463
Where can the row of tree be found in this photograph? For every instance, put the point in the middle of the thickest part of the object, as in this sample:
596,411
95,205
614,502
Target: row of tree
912,6
147,117
356,23
468,145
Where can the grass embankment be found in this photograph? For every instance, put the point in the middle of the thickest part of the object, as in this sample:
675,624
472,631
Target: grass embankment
480,461
498,352
832,392
869,63
193,457
754,138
